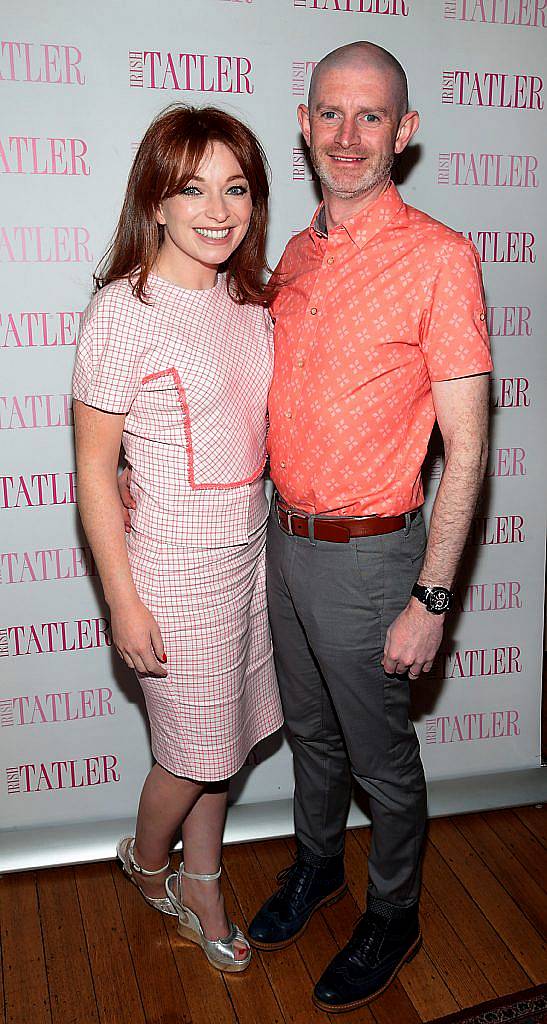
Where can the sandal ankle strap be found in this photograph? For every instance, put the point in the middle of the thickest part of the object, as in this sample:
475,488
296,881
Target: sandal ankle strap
137,867
200,878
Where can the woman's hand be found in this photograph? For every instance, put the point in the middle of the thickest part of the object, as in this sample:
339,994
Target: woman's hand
137,637
124,485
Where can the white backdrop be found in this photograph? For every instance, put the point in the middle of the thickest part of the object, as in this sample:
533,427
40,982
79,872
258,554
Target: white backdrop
78,86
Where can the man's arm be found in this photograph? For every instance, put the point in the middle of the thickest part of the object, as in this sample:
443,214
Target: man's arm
461,407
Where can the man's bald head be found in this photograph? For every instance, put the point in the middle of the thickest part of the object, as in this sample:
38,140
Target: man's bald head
365,56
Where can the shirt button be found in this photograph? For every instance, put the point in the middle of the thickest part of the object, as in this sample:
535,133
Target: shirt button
330,260
288,414
299,361
313,310
282,464
482,316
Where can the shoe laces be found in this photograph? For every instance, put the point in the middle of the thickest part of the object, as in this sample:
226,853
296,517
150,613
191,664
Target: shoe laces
295,880
367,938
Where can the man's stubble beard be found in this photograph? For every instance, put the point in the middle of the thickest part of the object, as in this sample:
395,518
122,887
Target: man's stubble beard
374,175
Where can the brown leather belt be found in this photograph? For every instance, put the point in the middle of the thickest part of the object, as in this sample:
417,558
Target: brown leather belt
337,529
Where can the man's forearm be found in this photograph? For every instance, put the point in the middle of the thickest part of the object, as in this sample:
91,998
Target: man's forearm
452,513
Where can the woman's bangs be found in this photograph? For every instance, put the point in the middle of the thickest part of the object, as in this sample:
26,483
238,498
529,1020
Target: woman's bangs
184,160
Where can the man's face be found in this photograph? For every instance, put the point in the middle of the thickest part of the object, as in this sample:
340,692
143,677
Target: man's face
353,129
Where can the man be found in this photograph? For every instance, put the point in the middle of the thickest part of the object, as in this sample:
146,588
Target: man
379,329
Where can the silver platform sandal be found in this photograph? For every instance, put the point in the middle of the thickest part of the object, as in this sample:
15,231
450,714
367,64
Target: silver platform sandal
219,952
124,851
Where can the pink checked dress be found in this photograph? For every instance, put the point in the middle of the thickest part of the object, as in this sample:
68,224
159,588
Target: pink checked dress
191,372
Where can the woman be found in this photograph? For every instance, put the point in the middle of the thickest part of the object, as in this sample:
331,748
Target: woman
174,362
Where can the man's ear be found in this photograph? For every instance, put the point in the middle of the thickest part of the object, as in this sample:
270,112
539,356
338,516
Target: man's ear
408,126
303,116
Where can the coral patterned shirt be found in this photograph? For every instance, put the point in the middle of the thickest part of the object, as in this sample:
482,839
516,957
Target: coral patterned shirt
366,317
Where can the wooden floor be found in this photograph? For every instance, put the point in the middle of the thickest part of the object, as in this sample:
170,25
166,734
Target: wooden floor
80,946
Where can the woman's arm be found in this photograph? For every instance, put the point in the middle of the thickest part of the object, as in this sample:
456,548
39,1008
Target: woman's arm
135,632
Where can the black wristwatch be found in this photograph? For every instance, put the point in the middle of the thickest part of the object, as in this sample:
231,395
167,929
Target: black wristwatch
436,599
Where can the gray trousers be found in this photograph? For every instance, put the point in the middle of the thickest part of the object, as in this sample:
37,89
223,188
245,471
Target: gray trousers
330,606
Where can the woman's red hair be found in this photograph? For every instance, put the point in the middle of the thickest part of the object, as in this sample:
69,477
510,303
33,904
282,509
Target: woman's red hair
168,157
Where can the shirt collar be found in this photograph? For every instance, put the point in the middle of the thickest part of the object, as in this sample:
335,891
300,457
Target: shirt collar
365,224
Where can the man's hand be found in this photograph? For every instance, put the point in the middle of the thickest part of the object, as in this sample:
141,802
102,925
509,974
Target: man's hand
412,641
137,637
124,484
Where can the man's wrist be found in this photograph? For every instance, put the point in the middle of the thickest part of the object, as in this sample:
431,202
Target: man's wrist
421,614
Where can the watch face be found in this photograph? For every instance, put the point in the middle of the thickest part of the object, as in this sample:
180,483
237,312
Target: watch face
438,599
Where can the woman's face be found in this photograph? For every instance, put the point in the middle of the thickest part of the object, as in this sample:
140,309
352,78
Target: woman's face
208,219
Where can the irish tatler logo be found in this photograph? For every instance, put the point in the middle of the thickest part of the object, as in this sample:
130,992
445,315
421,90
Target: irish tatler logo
506,462
301,167
470,663
510,392
496,530
189,72
46,564
504,246
509,321
474,725
39,330
492,89
489,597
28,412
29,154
47,63
492,12
73,774
44,244
499,170
33,490
394,7
47,708
301,76
55,637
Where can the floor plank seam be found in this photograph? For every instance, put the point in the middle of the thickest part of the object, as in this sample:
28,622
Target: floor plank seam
479,908
114,867
537,807
37,891
84,930
256,952
499,880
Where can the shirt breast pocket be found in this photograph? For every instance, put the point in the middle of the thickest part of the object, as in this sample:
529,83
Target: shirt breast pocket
164,405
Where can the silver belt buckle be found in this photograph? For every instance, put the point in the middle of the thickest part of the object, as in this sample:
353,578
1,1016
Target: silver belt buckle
289,515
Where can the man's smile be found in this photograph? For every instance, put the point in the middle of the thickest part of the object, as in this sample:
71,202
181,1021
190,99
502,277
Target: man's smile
347,159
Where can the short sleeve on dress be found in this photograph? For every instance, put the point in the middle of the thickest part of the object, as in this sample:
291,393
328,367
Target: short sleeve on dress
453,328
107,372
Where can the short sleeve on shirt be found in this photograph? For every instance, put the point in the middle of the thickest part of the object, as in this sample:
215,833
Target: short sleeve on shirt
279,278
107,371
454,334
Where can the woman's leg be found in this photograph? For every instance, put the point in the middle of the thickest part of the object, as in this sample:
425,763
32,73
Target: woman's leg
202,831
165,801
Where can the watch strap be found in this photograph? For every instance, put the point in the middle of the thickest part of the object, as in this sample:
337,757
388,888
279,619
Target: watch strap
437,600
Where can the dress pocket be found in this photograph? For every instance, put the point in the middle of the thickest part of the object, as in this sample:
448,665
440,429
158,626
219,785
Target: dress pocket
224,438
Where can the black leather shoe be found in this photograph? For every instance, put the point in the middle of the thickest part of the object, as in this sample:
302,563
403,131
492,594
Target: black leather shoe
385,938
311,882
